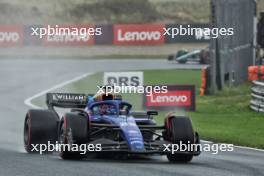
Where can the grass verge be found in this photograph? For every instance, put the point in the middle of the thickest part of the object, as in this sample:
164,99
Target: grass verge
226,117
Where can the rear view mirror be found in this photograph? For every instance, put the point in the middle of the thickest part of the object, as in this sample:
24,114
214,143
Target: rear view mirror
149,113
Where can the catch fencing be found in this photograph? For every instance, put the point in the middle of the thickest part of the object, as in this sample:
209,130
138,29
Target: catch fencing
231,55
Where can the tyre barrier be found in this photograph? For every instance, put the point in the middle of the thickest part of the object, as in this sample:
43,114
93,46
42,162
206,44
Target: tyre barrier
257,94
255,72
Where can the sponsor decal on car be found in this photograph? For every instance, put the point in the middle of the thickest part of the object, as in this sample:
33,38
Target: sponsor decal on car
70,97
125,124
11,35
138,34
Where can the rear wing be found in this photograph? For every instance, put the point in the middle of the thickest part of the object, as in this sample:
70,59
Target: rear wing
66,100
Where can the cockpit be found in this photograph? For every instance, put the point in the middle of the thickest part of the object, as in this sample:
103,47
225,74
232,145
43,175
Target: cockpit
111,107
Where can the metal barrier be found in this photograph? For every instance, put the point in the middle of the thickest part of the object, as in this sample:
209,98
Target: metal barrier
257,94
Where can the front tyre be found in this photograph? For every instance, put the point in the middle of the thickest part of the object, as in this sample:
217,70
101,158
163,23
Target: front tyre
179,130
73,131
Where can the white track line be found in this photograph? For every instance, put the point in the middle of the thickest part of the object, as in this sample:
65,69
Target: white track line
28,101
249,148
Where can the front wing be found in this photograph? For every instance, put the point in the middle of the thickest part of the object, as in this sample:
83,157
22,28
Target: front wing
156,146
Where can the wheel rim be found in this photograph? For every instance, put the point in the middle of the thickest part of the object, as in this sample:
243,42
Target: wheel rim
62,136
62,139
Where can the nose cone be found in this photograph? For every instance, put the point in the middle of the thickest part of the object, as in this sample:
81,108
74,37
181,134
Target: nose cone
132,134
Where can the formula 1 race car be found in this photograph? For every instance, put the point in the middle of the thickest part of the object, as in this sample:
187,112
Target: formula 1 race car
184,56
107,120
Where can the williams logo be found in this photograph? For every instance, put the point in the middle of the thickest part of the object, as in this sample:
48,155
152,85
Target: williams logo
69,97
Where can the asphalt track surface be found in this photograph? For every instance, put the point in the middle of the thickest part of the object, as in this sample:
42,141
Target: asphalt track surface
21,79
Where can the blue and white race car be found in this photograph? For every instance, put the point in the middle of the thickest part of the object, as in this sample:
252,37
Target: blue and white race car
107,121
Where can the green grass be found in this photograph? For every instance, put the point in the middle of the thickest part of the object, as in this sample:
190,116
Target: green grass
224,117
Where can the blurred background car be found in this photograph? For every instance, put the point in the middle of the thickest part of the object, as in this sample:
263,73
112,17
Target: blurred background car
183,56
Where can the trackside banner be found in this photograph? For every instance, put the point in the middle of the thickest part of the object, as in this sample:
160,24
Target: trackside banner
144,34
187,38
176,97
123,78
107,35
99,34
29,39
11,35
81,35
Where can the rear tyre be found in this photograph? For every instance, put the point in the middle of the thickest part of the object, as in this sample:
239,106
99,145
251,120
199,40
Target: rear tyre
179,129
73,131
40,127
